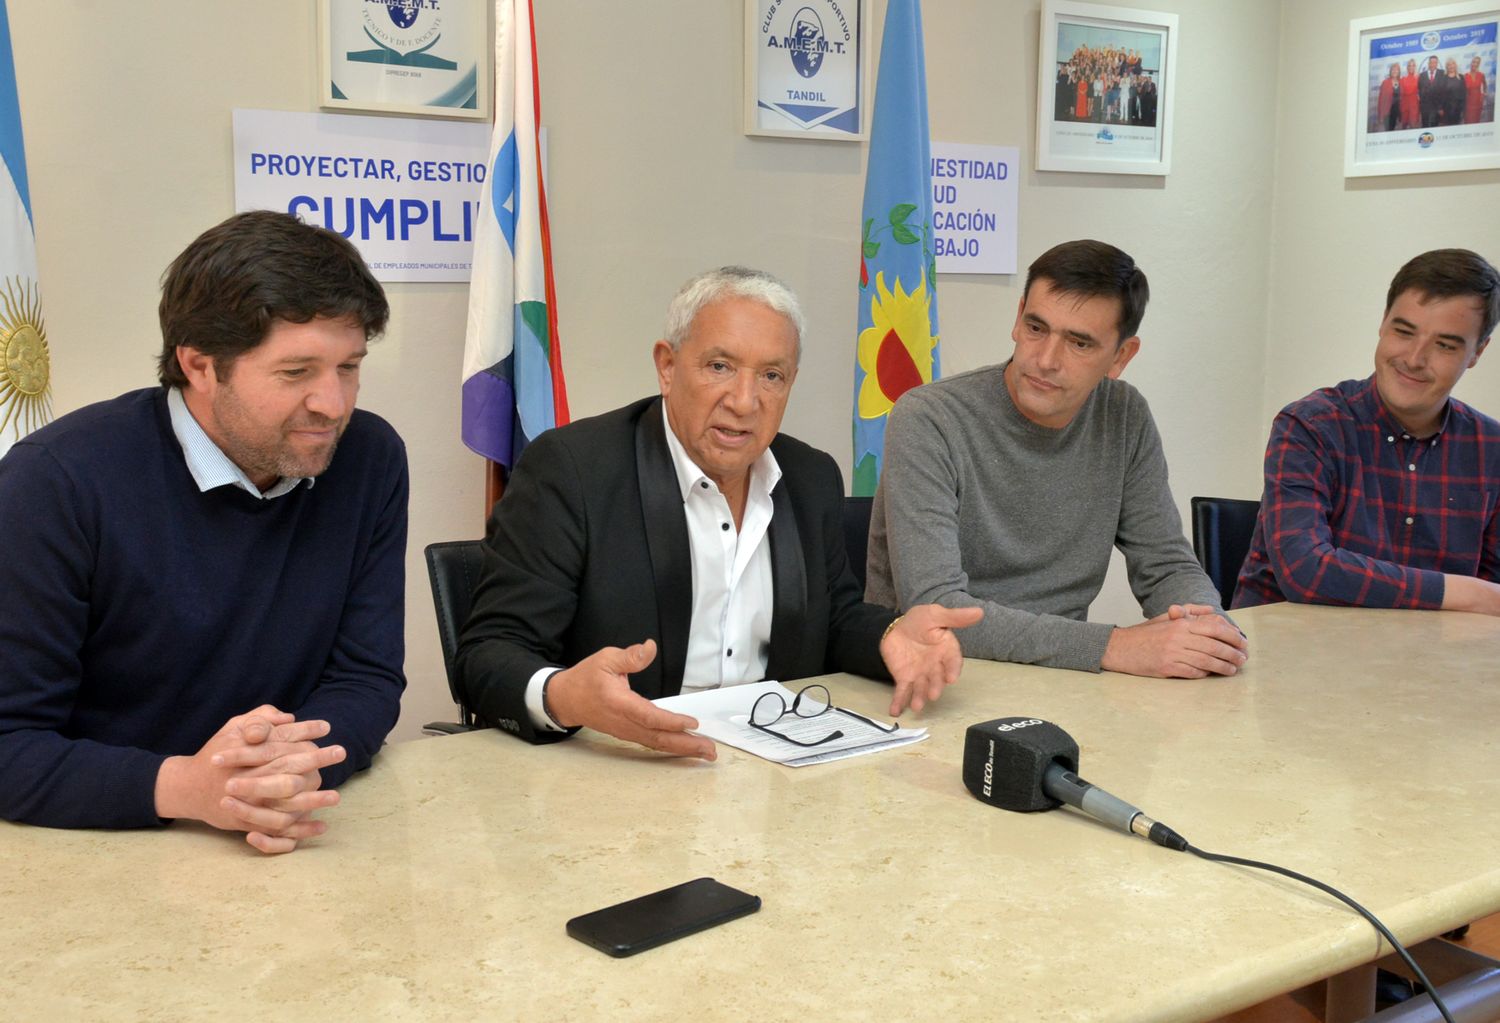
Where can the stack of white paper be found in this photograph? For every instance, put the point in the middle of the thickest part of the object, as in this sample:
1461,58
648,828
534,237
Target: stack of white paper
724,716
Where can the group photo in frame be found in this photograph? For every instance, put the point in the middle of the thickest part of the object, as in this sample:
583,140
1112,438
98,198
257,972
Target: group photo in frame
1104,89
1422,91
807,69
403,57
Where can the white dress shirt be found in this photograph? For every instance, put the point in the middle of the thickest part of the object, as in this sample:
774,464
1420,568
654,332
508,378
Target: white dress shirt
729,633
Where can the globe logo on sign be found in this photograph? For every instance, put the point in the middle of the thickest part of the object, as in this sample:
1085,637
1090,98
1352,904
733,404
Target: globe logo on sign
1425,139
401,14
808,43
1431,40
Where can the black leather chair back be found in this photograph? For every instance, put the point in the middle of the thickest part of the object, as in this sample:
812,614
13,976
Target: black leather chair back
453,567
1222,528
857,534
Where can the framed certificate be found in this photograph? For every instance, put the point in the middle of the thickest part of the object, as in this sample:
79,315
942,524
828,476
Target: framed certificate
405,57
807,68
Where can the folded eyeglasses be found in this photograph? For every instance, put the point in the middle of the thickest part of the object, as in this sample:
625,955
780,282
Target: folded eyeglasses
811,702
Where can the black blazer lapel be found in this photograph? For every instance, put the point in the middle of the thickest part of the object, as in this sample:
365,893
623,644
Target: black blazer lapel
788,583
667,540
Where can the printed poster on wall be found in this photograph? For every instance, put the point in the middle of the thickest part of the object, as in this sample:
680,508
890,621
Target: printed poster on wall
975,199
405,191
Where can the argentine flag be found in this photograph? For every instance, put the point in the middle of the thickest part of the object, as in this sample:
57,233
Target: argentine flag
25,365
513,380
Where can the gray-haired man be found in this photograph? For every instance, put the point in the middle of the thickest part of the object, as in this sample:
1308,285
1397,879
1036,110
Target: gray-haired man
681,543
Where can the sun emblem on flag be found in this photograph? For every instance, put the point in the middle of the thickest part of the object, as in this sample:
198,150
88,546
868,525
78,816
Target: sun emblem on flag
896,351
25,362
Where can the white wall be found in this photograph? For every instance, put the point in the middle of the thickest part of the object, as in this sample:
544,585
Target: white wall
128,136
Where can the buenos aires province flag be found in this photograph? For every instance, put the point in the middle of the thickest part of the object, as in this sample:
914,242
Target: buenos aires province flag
513,379
25,362
897,347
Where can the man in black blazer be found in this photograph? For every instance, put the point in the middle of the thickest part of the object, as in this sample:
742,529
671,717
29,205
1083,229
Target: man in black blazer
682,537
1431,91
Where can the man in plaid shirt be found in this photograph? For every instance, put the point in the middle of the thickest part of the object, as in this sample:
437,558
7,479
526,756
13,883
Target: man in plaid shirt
1382,492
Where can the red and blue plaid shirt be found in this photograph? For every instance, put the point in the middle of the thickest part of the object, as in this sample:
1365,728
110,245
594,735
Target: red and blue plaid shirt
1357,511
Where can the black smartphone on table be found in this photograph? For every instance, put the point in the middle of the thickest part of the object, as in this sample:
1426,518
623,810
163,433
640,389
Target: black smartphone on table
630,927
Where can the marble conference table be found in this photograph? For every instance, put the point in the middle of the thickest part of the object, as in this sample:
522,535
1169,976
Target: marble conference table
1357,746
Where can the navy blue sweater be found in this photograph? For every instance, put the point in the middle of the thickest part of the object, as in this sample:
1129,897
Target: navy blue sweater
137,615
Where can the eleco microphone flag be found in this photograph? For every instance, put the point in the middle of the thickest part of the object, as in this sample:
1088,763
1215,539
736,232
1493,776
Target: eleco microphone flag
1005,761
1027,764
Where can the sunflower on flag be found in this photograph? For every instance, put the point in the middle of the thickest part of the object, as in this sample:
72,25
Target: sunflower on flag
897,330
896,350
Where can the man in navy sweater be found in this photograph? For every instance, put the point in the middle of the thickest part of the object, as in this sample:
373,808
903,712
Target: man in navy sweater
202,591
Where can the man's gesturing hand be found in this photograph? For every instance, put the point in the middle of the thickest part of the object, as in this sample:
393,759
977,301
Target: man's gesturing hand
1186,646
595,693
923,654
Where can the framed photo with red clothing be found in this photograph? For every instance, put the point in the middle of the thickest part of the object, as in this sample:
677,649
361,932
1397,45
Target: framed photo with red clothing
1104,89
1422,91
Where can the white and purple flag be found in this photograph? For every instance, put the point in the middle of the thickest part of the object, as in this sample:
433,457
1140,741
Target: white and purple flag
513,385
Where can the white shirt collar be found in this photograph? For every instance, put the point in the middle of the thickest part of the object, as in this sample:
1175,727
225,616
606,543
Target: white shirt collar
765,472
206,461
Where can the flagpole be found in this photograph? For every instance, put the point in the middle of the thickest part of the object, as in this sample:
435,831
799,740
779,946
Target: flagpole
494,485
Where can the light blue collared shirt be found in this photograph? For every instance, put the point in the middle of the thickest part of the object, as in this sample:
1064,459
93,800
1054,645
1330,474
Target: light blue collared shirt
210,467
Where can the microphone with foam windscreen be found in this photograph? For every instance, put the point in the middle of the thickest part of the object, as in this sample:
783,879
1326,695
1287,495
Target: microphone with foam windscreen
1028,764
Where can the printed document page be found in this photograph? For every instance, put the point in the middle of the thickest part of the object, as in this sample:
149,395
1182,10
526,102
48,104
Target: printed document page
724,716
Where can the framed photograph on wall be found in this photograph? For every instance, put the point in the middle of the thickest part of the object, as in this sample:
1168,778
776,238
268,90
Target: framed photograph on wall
1422,91
401,57
807,68
1104,90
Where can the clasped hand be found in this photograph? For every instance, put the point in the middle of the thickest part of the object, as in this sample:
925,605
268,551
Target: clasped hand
1188,641
260,774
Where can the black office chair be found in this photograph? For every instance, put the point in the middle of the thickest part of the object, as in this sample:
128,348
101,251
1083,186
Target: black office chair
857,534
453,567
1222,528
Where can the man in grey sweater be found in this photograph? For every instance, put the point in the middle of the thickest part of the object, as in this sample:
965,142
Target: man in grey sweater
1006,487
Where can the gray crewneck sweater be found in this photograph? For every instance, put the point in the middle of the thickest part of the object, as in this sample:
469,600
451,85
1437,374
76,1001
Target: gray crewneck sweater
980,507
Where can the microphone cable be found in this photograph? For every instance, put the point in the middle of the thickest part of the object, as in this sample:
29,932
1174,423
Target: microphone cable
1346,900
1165,837
1040,761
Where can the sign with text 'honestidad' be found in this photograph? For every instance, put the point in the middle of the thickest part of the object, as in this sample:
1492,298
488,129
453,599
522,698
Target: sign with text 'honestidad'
405,191
975,198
